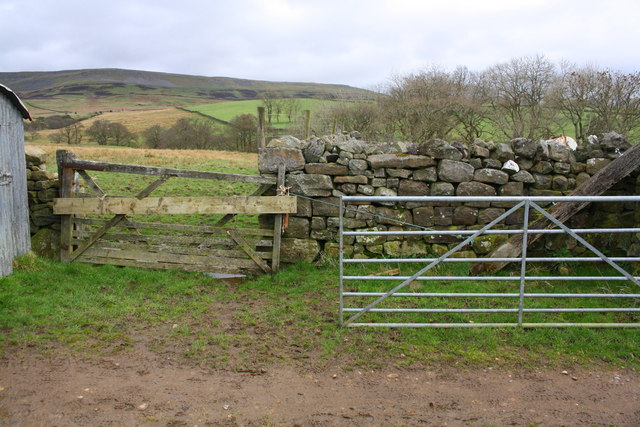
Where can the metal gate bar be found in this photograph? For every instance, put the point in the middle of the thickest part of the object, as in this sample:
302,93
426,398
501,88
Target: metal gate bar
523,278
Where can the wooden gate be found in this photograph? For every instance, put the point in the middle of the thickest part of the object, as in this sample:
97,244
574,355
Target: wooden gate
98,228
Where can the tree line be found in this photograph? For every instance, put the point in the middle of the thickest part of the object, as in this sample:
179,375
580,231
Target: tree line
524,97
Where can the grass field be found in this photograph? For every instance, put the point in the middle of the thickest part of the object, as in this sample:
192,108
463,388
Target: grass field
228,110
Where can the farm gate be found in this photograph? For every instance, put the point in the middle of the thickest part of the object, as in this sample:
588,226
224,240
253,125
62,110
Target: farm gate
104,229
431,296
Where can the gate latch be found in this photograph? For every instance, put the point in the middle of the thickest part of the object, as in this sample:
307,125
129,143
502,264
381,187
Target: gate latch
6,178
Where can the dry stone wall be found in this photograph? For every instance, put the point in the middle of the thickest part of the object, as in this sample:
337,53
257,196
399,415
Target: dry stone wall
43,186
322,169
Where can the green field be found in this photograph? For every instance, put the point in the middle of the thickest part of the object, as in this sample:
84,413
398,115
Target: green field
227,111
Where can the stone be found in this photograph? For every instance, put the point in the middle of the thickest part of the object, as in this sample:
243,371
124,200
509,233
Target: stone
399,173
439,149
504,152
311,185
543,167
400,161
350,179
558,151
442,189
325,234
439,250
45,185
325,169
594,165
581,178
423,216
286,141
295,250
465,215
428,175
542,182
34,155
543,150
42,175
474,188
46,243
559,182
511,189
523,176
487,215
443,215
297,227
475,162
271,157
347,155
48,195
318,223
491,163
492,176
384,191
483,245
352,146
367,190
613,141
313,151
413,188
393,182
357,165
562,168
326,206
453,171
379,182
304,207
524,147
478,151
372,239
510,167
349,188
391,216
525,164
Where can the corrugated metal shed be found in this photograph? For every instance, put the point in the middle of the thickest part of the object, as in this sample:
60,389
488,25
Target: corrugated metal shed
15,238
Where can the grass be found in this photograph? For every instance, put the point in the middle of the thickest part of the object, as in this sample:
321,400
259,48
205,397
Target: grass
291,318
228,110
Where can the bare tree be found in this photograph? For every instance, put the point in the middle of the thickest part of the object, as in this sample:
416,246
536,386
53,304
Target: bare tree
268,98
469,106
244,128
516,91
616,102
71,134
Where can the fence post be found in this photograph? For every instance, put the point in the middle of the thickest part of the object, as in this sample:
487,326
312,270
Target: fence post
66,176
307,124
277,227
261,139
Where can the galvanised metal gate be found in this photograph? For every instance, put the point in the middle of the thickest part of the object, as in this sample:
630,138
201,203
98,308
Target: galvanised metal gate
504,300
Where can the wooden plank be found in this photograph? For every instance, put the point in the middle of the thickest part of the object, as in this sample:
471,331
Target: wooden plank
229,253
595,186
177,227
163,239
167,266
175,205
277,225
113,221
94,186
75,163
66,175
259,192
148,256
245,247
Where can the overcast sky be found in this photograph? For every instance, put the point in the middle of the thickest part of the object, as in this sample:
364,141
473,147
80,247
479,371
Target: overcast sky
357,42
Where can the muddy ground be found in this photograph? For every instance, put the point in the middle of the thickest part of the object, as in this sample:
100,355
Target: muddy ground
143,388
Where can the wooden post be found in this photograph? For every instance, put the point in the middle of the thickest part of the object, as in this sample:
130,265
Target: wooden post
307,124
261,126
66,176
277,226
334,125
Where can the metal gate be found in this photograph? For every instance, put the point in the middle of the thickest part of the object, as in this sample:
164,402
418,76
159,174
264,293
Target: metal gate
515,299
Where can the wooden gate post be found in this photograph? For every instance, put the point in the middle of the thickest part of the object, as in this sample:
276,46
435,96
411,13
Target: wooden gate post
277,227
261,125
307,124
66,176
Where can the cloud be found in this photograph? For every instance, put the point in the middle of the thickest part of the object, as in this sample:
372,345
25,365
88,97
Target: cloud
355,42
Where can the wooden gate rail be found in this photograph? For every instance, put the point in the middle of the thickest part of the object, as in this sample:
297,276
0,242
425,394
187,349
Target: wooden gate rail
121,241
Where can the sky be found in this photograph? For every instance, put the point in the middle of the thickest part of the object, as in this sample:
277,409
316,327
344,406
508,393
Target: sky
361,43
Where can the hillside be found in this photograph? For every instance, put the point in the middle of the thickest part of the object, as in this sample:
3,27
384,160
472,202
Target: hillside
86,91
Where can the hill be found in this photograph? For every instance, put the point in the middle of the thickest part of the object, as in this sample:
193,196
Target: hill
85,91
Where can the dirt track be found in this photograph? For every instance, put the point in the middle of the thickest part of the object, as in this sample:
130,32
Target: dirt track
140,388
